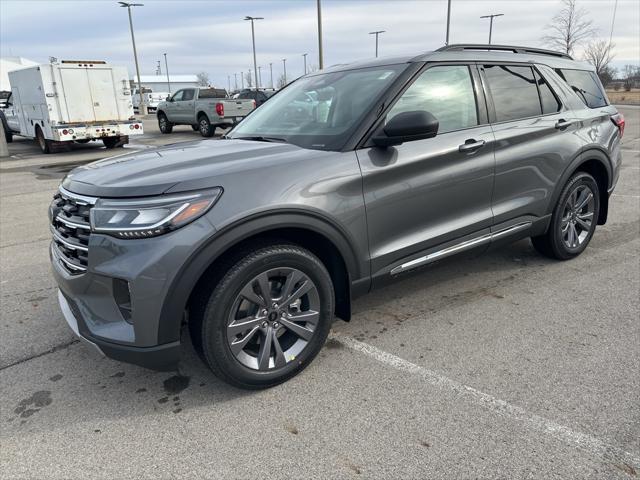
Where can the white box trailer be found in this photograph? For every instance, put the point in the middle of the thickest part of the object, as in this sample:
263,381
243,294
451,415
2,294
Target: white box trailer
71,101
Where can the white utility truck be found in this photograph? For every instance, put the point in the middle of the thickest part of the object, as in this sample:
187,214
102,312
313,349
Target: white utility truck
151,99
71,101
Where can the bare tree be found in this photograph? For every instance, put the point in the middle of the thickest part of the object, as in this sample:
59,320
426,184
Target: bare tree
203,79
599,53
630,75
569,28
248,79
282,82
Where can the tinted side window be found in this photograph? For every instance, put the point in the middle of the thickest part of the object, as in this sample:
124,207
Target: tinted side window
586,85
444,91
550,103
188,95
514,92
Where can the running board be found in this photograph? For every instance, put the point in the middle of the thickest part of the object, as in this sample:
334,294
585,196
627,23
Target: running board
460,247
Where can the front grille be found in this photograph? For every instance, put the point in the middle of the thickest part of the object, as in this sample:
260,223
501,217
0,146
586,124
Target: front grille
71,229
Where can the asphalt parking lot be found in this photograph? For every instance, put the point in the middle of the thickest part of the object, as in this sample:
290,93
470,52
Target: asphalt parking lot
508,365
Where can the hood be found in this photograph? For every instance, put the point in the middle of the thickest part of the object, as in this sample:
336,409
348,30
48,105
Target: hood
177,168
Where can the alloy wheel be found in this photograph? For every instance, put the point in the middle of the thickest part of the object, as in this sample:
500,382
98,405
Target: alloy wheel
577,217
273,319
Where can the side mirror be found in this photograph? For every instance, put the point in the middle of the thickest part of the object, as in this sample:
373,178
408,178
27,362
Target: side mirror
406,127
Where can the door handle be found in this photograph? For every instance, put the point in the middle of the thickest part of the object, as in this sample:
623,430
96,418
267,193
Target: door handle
471,146
562,124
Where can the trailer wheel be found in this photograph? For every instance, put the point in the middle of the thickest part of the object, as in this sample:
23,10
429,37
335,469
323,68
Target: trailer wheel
112,142
43,143
206,129
164,124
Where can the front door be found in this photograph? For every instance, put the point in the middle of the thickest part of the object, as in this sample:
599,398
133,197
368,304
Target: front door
427,195
185,107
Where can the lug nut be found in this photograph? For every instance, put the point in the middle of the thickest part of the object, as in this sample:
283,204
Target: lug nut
276,325
263,312
265,324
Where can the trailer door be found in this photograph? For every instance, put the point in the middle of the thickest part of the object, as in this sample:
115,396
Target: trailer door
103,94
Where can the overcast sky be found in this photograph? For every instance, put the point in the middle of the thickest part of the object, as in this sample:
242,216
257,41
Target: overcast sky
211,36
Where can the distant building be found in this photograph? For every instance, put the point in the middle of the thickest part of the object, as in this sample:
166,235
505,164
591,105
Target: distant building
9,64
158,83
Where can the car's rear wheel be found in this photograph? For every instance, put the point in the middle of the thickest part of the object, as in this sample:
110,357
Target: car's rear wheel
164,124
43,143
574,219
267,317
206,129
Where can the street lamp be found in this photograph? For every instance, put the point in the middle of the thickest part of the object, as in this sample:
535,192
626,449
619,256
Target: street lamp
253,38
446,42
235,80
271,73
284,67
143,105
376,33
259,76
229,83
305,62
166,67
490,17
320,53
242,79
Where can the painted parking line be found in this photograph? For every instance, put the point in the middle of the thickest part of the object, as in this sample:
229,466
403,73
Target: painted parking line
583,441
624,195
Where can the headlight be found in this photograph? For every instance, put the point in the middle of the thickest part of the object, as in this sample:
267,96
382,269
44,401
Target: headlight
149,217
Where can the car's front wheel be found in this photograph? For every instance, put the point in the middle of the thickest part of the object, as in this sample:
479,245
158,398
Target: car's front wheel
573,221
164,124
266,318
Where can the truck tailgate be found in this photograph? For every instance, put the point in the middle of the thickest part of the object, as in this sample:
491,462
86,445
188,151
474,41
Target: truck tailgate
238,108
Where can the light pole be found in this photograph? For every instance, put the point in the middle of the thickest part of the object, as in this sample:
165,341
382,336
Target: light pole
143,105
166,67
305,62
242,79
284,67
376,33
235,80
320,53
446,42
228,83
490,17
259,76
253,38
271,73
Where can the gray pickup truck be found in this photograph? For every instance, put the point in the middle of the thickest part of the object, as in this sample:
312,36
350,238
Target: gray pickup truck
202,108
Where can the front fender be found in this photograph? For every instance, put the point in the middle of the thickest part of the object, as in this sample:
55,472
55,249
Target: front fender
193,269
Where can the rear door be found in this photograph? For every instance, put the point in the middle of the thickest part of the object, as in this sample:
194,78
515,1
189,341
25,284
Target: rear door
103,94
425,196
77,95
535,141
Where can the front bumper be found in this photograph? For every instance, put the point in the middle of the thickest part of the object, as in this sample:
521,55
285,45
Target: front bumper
91,301
162,357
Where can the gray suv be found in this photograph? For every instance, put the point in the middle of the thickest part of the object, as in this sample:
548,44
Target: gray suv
346,179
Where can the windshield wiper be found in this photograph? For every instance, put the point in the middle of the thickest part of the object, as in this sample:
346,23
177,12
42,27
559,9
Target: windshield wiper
259,138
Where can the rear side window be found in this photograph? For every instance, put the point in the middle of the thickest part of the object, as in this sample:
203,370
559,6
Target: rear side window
550,103
212,93
444,91
586,85
514,92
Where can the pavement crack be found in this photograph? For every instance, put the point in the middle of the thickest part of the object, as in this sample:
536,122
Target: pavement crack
57,348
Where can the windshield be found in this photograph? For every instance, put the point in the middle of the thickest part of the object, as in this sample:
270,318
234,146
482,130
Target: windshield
320,111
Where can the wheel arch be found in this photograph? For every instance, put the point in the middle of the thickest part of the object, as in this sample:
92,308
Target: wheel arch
596,163
312,232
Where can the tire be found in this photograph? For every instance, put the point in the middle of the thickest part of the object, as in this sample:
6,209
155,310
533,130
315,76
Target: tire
195,128
574,219
112,142
239,355
164,124
43,143
83,141
206,129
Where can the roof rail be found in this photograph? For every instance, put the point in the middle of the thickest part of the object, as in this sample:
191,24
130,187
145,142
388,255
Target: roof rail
504,48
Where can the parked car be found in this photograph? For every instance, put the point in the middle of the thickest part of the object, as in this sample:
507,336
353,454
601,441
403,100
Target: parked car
151,99
259,239
202,108
70,101
260,95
